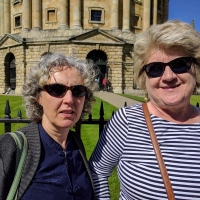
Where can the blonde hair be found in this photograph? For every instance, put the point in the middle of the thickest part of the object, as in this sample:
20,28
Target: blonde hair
165,36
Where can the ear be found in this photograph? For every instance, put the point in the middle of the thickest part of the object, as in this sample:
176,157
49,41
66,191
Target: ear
39,100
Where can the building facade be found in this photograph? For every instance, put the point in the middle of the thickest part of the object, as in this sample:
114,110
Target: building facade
101,30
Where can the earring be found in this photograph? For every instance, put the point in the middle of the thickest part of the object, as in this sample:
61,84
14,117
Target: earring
146,97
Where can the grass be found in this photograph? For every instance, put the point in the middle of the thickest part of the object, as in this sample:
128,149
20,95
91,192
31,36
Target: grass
16,104
89,133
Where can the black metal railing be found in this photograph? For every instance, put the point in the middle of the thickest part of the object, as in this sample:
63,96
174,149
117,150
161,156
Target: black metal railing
7,120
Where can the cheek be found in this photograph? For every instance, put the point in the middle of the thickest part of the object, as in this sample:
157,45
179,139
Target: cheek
80,104
150,83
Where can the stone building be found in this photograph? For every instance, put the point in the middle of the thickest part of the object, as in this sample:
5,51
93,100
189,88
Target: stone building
101,30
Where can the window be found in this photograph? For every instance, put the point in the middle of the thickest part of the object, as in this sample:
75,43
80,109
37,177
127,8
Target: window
14,2
159,8
96,15
18,21
51,15
137,22
138,1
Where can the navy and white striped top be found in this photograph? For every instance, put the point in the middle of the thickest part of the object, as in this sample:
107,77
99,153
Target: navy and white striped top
125,142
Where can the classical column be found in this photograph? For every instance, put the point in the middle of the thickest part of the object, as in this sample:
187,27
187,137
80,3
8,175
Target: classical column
77,14
26,17
155,11
165,10
6,16
126,15
36,14
63,14
115,15
147,12
1,18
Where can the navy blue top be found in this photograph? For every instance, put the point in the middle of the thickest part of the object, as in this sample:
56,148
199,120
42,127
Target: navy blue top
61,175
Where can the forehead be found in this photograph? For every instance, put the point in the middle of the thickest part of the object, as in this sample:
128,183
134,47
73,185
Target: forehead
65,75
163,55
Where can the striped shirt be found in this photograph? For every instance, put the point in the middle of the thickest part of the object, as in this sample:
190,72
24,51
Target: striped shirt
125,142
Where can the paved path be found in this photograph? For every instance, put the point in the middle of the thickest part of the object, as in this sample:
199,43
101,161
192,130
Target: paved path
114,99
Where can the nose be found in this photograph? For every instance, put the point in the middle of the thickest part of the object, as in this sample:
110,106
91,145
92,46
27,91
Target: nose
68,98
168,74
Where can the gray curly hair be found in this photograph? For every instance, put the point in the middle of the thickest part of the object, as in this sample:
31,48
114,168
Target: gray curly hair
39,75
165,36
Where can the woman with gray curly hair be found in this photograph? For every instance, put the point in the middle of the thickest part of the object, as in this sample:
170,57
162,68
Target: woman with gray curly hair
156,145
58,92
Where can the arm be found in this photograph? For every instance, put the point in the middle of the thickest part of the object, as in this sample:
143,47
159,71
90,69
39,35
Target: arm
7,164
107,153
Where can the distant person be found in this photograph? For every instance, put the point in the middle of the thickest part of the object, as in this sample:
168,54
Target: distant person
167,68
105,82
97,80
7,91
58,92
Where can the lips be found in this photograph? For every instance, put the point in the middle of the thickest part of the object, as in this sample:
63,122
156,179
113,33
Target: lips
169,87
67,111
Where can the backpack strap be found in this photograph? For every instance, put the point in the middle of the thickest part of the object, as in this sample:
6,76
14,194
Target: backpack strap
21,152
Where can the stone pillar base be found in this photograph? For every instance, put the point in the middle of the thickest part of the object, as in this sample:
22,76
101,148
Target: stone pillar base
126,30
37,28
77,27
26,29
63,27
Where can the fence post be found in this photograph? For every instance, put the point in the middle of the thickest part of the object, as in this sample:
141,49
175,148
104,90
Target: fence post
7,116
19,114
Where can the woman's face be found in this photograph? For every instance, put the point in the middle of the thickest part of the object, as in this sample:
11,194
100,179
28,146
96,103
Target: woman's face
170,89
62,112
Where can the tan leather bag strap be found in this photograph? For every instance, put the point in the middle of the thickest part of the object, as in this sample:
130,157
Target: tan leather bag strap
161,163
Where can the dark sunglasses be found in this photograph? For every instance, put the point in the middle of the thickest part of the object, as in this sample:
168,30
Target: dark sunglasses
178,66
59,90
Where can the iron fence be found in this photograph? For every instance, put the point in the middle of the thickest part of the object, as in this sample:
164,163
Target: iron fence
7,120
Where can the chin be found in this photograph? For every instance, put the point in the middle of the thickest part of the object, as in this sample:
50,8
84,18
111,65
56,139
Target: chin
174,103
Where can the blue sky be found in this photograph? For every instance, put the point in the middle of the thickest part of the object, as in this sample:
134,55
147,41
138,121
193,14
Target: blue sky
185,10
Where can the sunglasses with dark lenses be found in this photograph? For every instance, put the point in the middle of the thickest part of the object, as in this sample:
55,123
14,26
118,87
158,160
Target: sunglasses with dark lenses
178,66
59,90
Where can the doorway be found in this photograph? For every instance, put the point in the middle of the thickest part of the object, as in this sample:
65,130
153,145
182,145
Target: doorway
100,59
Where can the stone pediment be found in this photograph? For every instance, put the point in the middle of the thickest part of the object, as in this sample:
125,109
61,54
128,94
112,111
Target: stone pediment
9,40
97,36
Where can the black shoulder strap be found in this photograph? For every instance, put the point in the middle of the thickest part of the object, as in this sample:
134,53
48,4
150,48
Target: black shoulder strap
78,141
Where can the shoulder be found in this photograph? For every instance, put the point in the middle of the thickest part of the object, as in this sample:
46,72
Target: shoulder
130,112
6,142
7,150
31,131
32,127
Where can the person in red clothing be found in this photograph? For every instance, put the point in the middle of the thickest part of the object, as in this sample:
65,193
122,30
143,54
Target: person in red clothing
104,82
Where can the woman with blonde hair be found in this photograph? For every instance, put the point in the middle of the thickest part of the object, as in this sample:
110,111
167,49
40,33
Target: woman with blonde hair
167,68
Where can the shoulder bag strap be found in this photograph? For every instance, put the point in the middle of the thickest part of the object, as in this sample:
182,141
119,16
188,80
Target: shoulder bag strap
158,154
20,160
